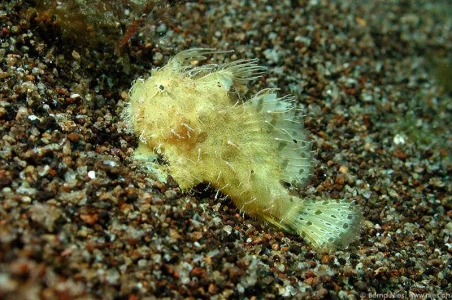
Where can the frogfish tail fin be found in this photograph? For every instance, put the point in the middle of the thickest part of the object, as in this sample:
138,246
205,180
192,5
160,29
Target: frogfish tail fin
326,224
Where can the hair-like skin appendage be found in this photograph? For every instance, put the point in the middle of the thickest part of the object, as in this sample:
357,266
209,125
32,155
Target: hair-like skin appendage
245,149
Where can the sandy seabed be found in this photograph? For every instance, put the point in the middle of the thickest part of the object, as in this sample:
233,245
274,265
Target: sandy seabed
80,219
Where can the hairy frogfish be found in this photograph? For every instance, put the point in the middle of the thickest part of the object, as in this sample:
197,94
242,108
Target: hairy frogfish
195,118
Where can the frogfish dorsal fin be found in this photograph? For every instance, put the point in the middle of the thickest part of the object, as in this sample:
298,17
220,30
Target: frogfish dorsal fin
285,126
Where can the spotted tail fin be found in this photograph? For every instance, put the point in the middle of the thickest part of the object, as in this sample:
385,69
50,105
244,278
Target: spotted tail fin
326,224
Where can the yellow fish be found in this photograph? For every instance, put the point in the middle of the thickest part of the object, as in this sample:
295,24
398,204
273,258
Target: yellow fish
194,117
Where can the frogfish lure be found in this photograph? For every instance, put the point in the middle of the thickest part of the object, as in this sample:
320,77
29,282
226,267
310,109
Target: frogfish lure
194,117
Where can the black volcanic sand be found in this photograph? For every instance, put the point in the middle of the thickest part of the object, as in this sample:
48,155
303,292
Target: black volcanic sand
80,219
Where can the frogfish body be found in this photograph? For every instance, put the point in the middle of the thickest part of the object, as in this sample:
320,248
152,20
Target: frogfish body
195,118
